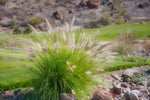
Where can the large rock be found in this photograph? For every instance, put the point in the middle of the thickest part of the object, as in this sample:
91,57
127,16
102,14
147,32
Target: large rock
58,15
83,3
143,5
93,4
128,74
66,96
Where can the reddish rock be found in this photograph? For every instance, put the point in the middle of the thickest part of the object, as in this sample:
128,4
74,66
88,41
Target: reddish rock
58,15
83,3
93,4
102,94
143,5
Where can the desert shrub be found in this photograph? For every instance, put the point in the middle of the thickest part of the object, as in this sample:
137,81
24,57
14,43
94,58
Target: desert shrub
12,24
119,21
92,24
17,31
128,37
122,49
35,21
3,2
27,31
105,20
125,43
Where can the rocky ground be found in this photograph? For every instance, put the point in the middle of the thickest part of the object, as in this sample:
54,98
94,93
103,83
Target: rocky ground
129,84
19,12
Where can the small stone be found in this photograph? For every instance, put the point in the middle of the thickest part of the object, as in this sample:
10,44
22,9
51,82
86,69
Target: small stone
117,89
126,90
115,76
136,92
131,96
88,72
123,84
67,96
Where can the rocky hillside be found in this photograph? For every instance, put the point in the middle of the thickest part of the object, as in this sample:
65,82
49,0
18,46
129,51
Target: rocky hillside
89,13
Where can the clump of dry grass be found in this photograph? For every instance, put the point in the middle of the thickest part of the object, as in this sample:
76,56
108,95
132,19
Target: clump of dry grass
125,43
68,39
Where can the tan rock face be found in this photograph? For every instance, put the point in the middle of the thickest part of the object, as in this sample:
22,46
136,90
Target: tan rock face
93,4
58,15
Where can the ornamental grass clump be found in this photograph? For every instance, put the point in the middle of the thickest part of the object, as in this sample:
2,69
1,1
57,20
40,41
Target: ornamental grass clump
64,64
62,71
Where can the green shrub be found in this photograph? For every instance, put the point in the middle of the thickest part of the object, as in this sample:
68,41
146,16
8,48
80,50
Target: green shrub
35,21
12,24
61,72
122,49
139,77
105,20
133,59
27,31
3,2
119,21
17,31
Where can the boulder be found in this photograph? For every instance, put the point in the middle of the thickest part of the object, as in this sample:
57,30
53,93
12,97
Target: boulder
93,4
67,96
58,15
83,3
128,74
143,5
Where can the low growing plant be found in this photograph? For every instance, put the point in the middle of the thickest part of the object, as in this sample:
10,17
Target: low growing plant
27,31
17,31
